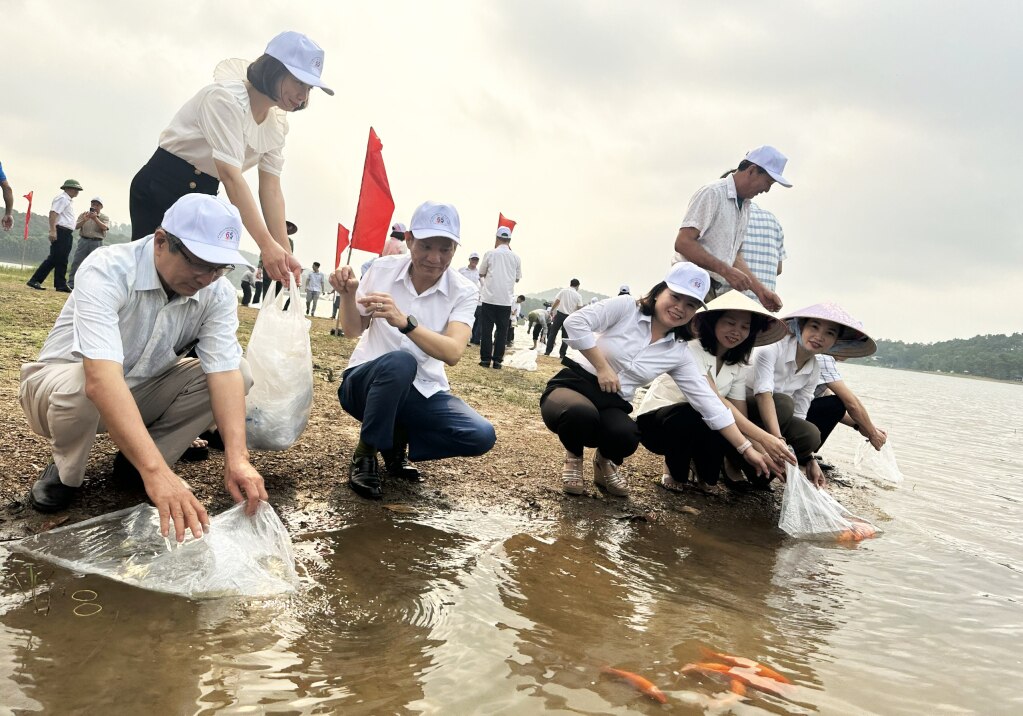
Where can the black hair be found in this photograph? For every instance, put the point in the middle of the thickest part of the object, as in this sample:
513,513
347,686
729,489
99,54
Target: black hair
704,324
574,282
646,307
746,164
266,75
521,298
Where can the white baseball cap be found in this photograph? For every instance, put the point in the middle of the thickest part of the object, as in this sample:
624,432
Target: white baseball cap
473,255
398,227
209,227
503,232
624,288
301,56
433,219
689,280
771,161
97,200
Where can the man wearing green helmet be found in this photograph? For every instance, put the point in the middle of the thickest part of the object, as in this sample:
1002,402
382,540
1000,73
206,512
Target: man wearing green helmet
62,224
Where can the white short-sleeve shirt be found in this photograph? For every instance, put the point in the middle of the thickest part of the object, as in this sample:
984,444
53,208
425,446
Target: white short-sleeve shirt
716,212
63,207
775,371
452,298
622,333
217,124
569,300
501,270
730,381
119,312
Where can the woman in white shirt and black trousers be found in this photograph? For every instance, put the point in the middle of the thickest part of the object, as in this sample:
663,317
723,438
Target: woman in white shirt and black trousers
625,344
230,126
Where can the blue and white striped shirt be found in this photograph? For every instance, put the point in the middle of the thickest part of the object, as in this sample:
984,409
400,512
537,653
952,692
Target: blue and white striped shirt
764,247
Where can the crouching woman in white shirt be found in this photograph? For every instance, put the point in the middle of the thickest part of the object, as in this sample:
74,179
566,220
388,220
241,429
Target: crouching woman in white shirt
726,334
625,344
786,373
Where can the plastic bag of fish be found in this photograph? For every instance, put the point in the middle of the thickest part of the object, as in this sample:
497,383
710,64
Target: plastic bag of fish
238,555
524,359
878,464
811,513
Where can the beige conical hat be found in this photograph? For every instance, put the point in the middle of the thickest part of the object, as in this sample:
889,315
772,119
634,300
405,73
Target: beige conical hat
775,329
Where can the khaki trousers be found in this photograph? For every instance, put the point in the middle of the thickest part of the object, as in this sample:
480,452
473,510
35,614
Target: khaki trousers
175,408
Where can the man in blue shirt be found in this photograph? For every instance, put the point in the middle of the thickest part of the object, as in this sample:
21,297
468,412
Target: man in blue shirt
8,219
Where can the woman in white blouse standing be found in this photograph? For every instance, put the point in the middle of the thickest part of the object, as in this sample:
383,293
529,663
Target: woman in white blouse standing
669,425
625,344
235,123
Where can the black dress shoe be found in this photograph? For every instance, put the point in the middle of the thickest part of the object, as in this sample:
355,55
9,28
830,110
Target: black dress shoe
364,478
484,364
36,285
49,494
496,366
63,289
398,467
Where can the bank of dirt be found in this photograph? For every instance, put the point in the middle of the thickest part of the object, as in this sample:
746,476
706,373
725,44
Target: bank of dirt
307,483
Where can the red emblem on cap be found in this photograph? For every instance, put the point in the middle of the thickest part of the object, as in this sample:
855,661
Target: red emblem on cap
439,219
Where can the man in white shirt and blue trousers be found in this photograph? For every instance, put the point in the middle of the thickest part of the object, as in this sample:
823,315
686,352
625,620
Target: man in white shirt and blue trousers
500,270
412,314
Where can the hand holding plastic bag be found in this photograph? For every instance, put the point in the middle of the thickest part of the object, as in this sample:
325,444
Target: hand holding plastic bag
811,513
878,464
238,556
281,360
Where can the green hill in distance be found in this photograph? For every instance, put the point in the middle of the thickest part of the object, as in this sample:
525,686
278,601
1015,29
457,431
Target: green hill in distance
992,356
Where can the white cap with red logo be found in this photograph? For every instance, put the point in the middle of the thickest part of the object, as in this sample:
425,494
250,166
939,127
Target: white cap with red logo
432,219
210,228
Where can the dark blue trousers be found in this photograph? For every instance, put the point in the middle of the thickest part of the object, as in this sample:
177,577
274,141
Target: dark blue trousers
380,395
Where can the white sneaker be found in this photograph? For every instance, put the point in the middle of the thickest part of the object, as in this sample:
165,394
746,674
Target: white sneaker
572,475
606,475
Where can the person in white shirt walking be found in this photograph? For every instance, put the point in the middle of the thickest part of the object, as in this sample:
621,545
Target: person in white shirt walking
500,270
472,273
115,362
567,302
62,226
395,383
313,289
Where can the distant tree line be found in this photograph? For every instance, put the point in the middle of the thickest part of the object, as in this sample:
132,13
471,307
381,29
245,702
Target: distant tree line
992,356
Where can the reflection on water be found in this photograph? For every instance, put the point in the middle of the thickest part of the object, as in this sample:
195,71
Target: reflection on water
482,613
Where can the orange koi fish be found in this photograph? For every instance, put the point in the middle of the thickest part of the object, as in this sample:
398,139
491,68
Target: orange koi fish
642,685
759,668
748,677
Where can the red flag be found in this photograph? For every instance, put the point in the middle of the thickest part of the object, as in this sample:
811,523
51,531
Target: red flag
28,214
376,207
502,220
342,243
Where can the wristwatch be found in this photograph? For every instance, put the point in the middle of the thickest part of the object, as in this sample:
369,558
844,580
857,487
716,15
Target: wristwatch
412,325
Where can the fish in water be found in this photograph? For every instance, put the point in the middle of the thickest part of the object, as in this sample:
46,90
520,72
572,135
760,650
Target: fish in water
742,661
748,677
642,685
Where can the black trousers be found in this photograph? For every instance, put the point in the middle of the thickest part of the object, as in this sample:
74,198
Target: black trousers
163,180
679,433
494,323
246,293
56,260
552,333
476,326
826,412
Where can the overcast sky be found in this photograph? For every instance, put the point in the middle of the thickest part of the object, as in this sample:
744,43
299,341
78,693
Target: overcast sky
590,123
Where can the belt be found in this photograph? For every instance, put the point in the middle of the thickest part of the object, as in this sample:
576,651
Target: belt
176,171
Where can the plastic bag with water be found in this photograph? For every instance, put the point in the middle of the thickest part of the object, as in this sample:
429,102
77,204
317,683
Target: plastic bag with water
238,556
281,360
811,513
878,464
524,359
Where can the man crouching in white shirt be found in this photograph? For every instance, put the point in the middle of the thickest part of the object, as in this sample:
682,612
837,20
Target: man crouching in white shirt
115,362
414,313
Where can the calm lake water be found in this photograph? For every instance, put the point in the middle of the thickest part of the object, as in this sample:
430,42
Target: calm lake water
460,613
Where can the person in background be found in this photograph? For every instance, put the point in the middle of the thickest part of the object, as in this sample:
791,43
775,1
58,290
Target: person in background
92,226
500,270
8,220
62,225
395,384
623,290
714,226
472,273
247,278
516,314
780,387
537,323
313,289
567,302
291,228
624,345
115,362
726,333
394,245
257,285
238,122
834,402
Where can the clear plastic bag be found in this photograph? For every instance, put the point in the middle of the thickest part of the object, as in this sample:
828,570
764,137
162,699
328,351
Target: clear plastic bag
238,556
878,464
811,513
281,360
524,359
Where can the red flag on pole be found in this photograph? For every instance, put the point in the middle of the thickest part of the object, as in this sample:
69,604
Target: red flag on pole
502,220
376,207
28,214
342,243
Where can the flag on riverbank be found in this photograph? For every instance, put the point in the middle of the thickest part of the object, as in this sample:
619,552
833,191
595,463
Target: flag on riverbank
342,244
504,221
376,207
28,213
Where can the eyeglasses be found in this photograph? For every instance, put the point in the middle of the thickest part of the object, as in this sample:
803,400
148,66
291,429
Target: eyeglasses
197,265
